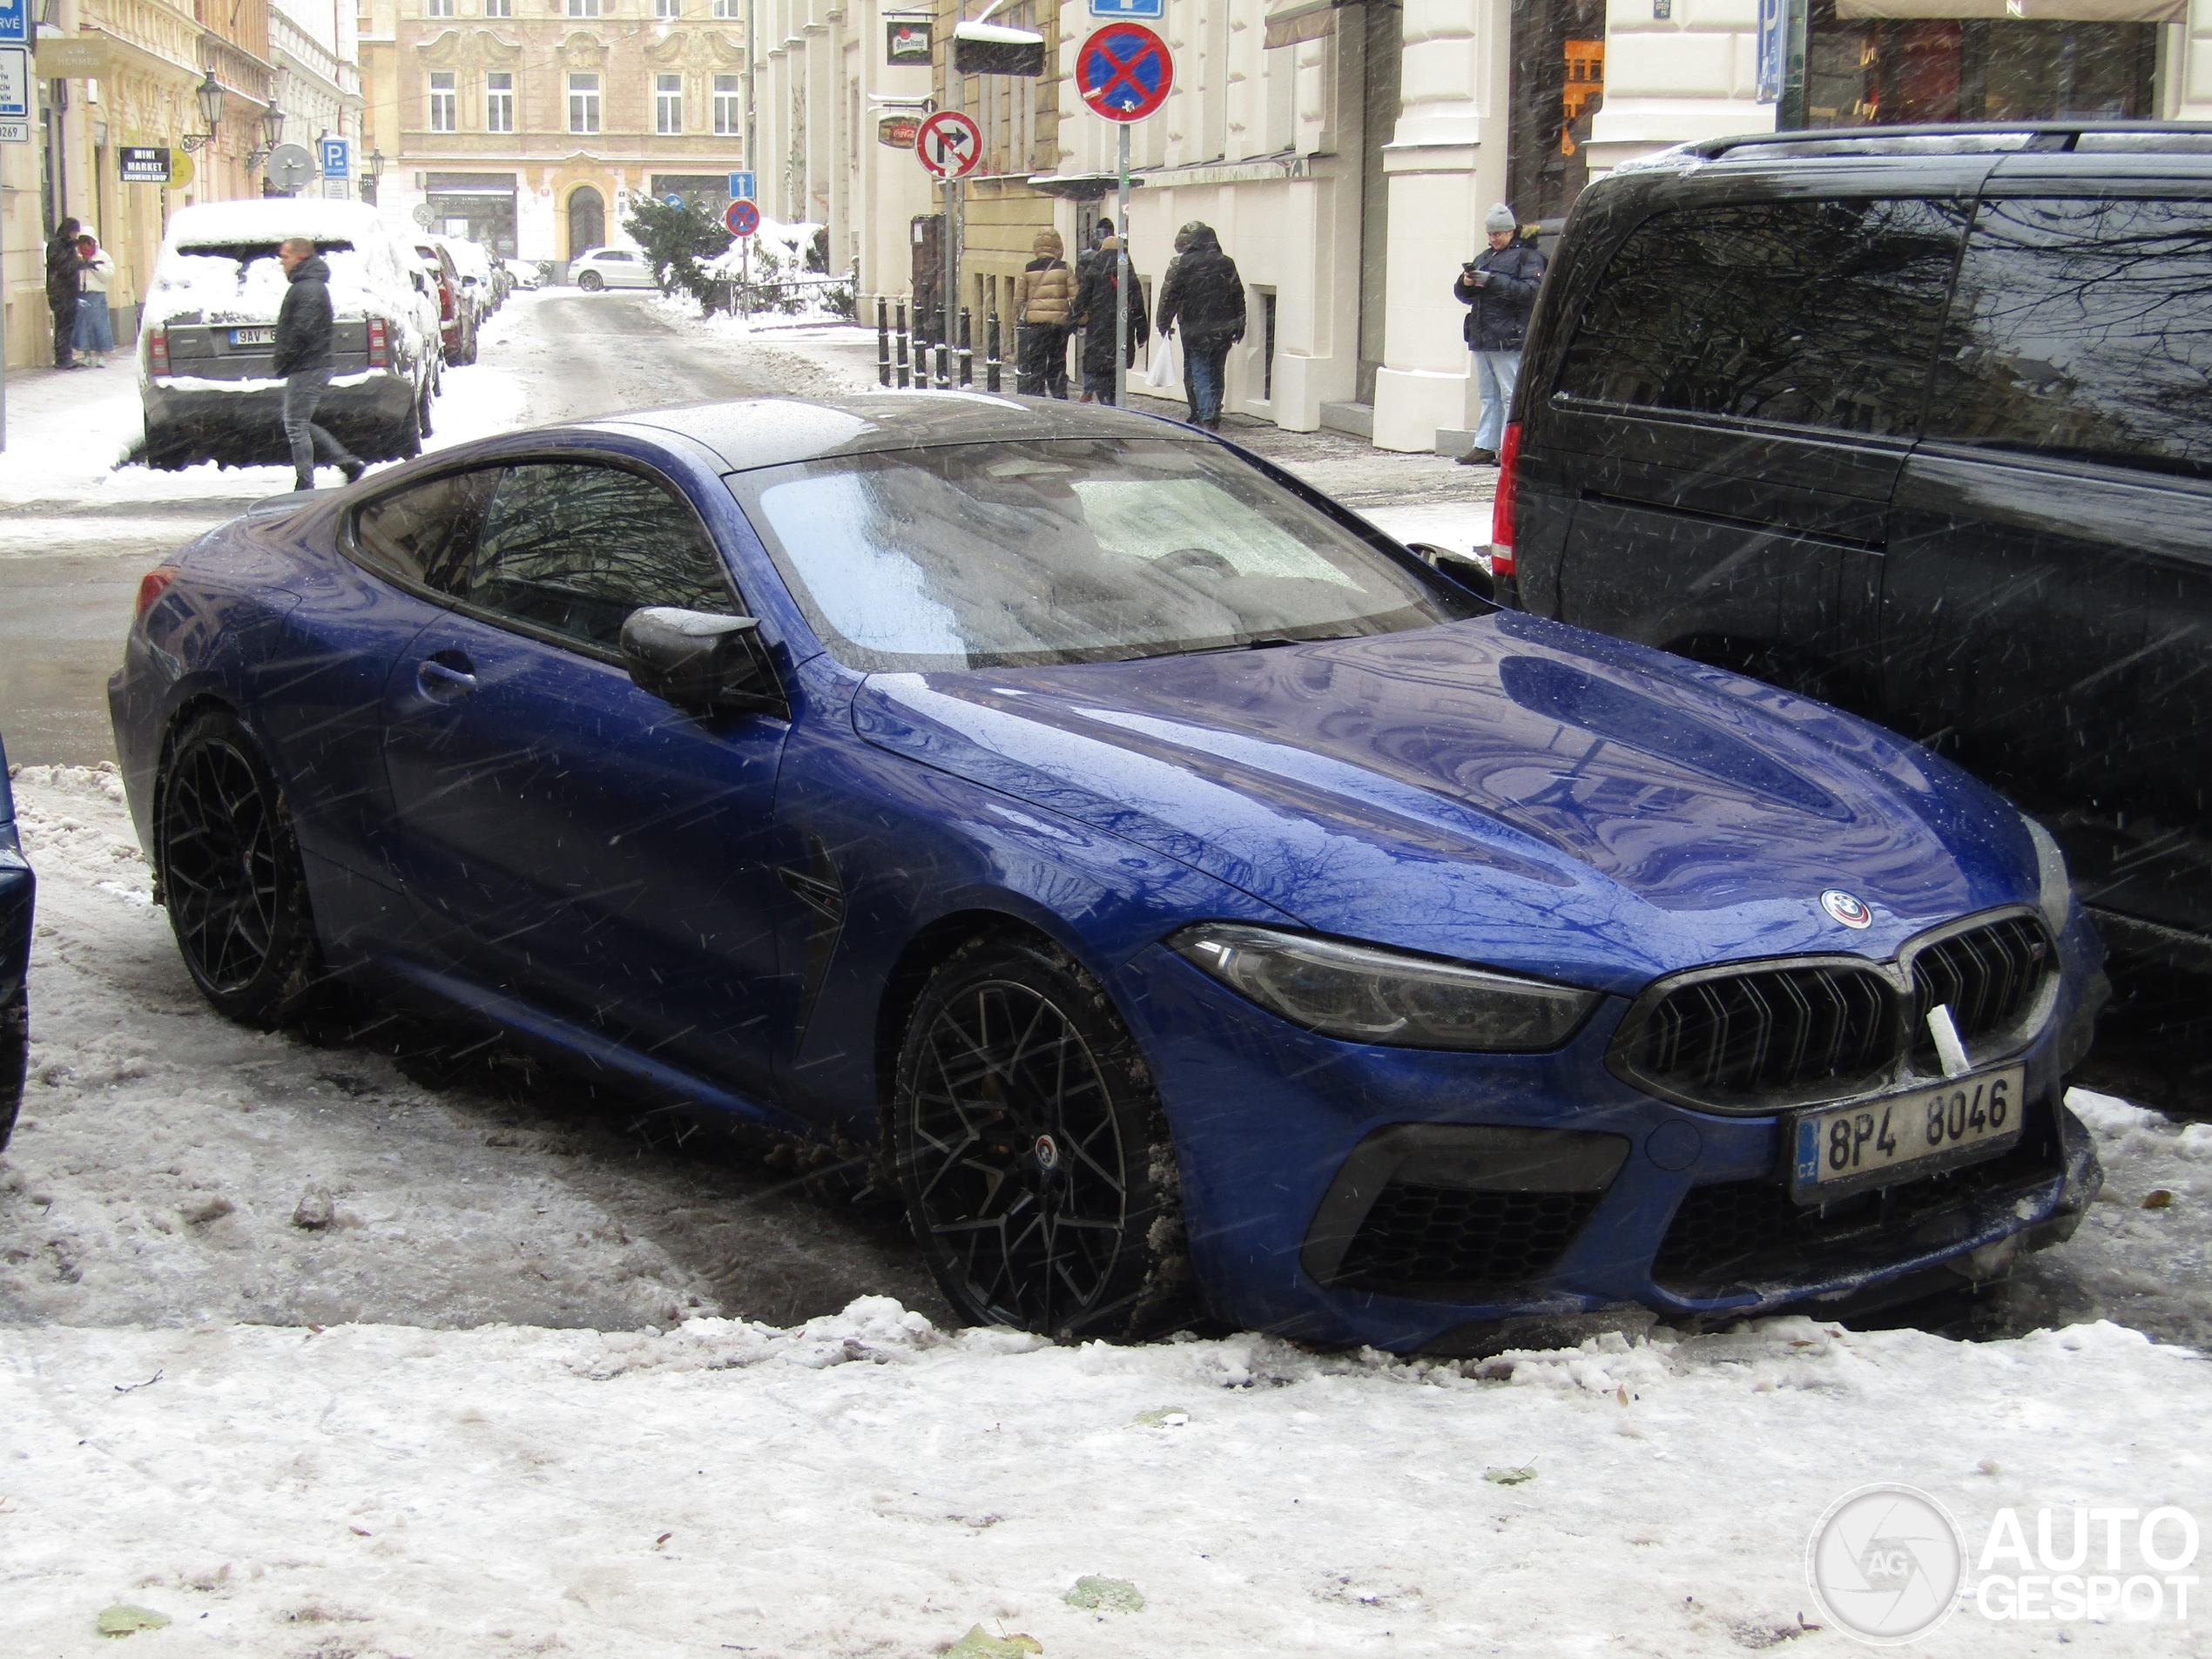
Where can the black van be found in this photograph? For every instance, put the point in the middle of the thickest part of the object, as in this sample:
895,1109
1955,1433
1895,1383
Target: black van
1919,421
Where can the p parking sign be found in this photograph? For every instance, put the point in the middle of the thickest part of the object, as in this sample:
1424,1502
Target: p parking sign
337,159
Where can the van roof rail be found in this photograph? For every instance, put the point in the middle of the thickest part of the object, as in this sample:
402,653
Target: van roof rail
1963,138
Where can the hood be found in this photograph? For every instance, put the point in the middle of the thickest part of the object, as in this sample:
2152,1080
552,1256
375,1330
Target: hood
313,268
1047,245
1506,791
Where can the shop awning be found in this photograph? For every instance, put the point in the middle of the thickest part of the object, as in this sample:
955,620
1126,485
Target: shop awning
1298,20
2021,11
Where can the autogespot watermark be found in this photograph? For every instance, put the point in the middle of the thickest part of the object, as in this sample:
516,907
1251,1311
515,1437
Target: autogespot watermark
1888,1564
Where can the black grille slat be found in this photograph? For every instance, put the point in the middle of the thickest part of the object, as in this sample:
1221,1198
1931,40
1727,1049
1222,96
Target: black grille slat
1771,1030
1990,978
1779,1033
1419,1235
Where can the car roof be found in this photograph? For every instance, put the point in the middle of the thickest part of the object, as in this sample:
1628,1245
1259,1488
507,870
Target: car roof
773,431
2115,138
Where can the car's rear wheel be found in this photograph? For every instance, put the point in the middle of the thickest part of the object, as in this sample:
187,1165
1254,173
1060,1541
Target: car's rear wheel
1032,1150
231,874
591,282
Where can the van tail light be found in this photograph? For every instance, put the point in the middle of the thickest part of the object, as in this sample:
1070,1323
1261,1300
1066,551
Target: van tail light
445,303
1501,508
153,584
379,344
157,351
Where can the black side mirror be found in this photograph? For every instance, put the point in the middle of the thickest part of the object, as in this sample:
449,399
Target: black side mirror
700,661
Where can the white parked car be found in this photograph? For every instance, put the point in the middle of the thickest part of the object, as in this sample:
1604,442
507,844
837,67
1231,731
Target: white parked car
206,334
610,267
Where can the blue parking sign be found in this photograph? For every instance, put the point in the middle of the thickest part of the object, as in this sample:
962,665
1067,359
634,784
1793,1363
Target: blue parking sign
15,22
1128,8
337,159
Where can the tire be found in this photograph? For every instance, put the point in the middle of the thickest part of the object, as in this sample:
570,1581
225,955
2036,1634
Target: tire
408,443
423,414
1032,1150
591,282
15,1060
231,875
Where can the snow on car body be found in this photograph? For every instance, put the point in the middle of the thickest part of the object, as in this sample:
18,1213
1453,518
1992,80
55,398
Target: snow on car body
1166,870
205,368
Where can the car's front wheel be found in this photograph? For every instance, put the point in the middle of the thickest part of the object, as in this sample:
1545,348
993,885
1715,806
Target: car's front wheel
1032,1150
231,874
591,282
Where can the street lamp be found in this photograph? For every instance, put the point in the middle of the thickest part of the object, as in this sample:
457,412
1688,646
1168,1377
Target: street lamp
272,134
372,174
210,93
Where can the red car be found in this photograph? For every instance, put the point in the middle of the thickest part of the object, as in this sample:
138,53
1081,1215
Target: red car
456,317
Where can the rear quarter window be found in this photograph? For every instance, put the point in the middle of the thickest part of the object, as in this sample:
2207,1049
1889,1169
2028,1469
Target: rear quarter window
1813,313
2083,328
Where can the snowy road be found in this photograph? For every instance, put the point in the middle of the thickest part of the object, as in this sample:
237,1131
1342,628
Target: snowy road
313,1351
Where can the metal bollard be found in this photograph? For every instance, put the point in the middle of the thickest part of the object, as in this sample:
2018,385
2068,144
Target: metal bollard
991,364
967,350
882,341
944,348
903,346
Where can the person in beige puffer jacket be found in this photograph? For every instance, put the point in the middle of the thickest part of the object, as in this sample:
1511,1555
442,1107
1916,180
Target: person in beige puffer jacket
1044,294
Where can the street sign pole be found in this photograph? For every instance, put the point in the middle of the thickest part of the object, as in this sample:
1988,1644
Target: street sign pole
1120,280
945,306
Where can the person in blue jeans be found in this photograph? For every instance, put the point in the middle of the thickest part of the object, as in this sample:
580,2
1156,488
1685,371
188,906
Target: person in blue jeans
1204,294
1498,289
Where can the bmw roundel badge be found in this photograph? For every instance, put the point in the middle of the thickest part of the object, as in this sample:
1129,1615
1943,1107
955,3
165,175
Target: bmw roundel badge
1845,908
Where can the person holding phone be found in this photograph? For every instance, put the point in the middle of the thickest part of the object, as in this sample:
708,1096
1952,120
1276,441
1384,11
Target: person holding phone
1498,289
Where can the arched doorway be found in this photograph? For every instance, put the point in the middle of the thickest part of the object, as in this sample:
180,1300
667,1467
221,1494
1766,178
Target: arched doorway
587,220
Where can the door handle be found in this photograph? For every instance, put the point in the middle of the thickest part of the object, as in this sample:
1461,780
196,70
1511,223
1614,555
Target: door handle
441,681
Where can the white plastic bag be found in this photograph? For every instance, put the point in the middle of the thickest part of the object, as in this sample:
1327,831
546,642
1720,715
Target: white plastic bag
1165,372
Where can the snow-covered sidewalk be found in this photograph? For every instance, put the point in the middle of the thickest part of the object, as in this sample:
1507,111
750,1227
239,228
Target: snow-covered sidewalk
243,1407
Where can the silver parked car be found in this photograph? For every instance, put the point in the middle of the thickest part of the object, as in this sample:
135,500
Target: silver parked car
610,267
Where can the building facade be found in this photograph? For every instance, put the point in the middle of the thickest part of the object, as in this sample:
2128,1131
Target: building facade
531,125
118,74
313,44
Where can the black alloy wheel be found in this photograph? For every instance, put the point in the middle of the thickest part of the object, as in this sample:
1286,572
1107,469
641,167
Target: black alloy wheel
1032,1150
231,874
591,282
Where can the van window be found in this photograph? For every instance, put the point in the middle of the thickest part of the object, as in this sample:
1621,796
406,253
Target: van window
2083,328
1814,314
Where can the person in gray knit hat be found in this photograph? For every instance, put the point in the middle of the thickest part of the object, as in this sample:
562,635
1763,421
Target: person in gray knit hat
1498,289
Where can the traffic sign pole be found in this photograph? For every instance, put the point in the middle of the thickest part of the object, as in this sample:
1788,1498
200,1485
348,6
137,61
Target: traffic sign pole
1121,282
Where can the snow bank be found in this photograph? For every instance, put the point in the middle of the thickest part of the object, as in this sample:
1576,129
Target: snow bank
869,1484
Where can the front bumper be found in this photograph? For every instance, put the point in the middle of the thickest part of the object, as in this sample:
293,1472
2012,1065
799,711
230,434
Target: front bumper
188,420
1343,1194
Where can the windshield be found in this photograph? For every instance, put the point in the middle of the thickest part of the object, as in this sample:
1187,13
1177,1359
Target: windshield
1010,555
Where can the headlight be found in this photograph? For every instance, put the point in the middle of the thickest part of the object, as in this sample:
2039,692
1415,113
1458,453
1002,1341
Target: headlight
1362,994
2054,888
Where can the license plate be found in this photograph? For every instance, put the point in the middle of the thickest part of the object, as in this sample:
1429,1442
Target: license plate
1898,1136
252,336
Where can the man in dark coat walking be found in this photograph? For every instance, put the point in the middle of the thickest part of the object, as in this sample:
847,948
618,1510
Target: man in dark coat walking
301,356
1205,295
1498,289
1095,313
63,286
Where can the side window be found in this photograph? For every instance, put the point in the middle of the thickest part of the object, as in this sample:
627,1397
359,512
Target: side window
423,536
575,547
2084,328
1814,314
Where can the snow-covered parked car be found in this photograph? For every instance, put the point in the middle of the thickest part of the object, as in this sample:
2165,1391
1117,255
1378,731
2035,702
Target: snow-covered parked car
610,267
16,885
205,343
474,266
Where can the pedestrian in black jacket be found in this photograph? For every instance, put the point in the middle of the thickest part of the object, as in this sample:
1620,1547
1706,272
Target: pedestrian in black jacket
63,286
1204,295
302,356
1498,289
1095,311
